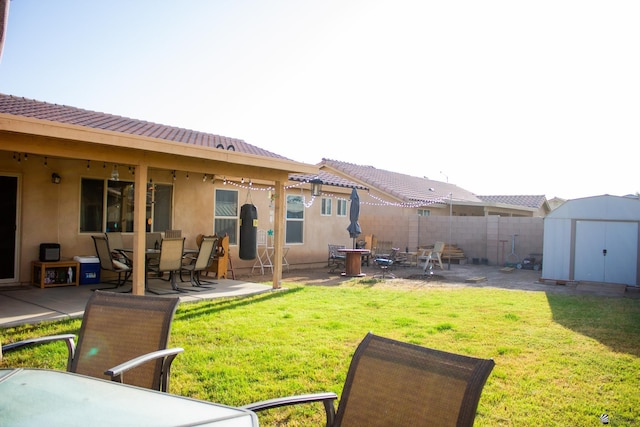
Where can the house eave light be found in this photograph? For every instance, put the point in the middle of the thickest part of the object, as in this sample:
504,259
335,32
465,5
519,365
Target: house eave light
316,187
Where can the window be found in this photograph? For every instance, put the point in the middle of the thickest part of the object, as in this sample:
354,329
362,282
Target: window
341,210
326,206
159,202
226,215
91,205
108,206
424,212
295,219
120,206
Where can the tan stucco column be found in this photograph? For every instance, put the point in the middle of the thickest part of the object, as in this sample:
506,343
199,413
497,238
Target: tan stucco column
139,229
278,233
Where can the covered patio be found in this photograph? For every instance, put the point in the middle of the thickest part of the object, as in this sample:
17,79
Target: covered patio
47,151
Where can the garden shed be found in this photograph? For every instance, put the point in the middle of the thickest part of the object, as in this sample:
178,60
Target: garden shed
593,239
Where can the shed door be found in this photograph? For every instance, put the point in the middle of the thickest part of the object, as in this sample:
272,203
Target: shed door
606,251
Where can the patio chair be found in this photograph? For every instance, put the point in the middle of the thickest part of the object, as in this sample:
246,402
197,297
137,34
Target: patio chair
172,234
385,263
370,242
202,261
169,261
336,260
107,262
116,245
391,383
436,254
123,337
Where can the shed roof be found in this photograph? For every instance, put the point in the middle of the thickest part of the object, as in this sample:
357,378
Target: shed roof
599,208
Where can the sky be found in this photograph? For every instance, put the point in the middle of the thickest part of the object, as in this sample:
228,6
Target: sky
498,97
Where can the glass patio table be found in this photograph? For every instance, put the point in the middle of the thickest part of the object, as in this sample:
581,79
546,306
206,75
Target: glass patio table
38,397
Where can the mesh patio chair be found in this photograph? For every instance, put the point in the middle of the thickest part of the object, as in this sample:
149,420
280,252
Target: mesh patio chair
107,262
116,245
172,234
391,383
123,337
169,261
202,261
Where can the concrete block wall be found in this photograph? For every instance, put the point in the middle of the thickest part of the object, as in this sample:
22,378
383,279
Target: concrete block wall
485,238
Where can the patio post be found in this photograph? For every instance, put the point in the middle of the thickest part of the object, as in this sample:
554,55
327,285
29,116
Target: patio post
139,228
278,232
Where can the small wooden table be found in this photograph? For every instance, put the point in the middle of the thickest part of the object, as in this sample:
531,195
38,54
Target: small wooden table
55,273
353,263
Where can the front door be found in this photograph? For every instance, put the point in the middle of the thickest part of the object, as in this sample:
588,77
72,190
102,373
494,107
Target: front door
8,228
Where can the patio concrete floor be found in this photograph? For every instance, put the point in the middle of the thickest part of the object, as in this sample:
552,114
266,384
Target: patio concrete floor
31,304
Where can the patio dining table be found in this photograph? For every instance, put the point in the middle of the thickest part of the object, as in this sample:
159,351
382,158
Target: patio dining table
38,397
150,253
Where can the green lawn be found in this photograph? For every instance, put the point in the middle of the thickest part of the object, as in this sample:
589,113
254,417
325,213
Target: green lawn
561,360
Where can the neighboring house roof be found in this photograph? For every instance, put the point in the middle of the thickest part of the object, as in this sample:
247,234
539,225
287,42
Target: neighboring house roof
403,187
327,178
537,202
25,107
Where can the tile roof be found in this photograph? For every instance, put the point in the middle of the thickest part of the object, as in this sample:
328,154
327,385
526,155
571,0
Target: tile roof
528,201
327,179
404,187
25,107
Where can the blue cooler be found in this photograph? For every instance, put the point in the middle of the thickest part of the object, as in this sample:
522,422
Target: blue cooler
89,269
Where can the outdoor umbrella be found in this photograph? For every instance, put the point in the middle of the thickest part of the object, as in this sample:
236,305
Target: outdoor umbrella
354,213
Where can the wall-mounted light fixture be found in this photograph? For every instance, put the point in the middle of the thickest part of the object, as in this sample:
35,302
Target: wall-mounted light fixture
55,178
316,187
115,175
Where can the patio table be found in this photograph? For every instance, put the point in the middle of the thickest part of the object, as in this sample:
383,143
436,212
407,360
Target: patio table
353,262
37,397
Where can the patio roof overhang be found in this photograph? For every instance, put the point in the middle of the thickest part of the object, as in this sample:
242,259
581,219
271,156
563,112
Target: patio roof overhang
60,140
46,138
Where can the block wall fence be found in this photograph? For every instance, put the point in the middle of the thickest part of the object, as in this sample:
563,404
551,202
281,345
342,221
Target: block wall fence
485,238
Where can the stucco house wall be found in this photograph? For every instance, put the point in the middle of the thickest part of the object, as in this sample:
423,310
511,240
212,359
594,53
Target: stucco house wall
50,212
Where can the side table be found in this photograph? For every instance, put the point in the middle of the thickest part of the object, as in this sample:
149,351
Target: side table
55,273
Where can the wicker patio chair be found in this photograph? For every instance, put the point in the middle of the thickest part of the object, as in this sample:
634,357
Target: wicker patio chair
390,383
123,337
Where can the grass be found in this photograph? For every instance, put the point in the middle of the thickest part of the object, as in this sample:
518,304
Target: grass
561,360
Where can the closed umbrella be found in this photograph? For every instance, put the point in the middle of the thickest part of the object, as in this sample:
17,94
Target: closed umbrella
354,214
